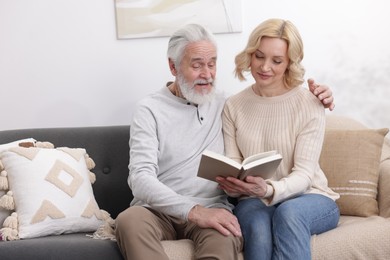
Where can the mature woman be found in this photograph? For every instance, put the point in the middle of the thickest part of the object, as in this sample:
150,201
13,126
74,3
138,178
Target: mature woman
278,215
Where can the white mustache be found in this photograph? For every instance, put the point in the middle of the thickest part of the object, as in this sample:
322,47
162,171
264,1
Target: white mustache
202,81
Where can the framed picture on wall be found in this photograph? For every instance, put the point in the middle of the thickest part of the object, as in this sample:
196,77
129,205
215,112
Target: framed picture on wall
159,18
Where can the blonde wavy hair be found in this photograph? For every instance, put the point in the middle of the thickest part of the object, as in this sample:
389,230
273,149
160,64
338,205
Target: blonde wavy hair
275,28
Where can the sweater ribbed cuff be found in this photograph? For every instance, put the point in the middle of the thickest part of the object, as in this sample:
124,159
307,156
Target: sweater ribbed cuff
270,191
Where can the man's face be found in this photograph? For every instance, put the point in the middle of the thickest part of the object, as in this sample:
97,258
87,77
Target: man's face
196,75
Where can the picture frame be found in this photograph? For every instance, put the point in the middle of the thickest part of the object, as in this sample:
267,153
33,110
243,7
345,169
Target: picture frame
160,18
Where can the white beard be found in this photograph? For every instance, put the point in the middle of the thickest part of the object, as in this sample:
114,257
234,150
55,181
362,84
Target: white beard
189,93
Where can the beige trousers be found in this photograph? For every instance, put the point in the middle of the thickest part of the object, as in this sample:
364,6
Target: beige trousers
139,231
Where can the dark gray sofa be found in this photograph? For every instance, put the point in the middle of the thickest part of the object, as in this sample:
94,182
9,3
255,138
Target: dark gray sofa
109,148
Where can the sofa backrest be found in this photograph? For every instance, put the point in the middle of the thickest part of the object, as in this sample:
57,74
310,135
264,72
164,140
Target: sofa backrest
108,146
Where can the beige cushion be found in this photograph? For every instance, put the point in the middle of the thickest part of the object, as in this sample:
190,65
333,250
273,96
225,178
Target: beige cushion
350,159
355,238
183,249
179,249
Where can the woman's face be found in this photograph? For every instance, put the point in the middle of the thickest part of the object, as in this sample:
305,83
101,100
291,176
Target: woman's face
269,62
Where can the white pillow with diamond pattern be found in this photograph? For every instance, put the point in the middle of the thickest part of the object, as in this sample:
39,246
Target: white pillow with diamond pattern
51,190
3,212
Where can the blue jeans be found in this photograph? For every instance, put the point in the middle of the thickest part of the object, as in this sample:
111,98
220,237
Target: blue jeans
283,231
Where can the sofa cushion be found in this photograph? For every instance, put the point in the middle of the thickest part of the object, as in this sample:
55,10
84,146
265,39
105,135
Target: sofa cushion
358,238
51,192
350,160
76,246
183,249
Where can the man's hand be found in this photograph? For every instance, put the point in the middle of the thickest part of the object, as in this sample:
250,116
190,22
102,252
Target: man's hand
220,219
323,93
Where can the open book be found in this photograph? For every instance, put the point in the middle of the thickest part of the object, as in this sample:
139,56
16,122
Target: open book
263,164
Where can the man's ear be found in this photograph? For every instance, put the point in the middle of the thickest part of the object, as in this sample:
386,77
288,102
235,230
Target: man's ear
172,67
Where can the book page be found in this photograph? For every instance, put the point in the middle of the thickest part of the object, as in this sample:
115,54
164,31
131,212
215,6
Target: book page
265,167
258,156
222,158
213,164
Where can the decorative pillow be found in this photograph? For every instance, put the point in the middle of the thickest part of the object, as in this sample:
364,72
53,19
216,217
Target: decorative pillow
4,147
50,191
350,160
3,212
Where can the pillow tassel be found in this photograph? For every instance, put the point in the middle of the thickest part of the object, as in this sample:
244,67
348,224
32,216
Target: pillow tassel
9,234
3,180
11,221
107,229
107,217
92,177
7,201
90,163
10,228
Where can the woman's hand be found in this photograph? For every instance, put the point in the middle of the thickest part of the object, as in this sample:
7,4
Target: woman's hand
251,186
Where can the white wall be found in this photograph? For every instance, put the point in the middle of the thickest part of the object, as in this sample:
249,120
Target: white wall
61,64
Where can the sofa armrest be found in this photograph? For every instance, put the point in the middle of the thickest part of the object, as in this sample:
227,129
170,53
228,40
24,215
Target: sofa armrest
384,189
